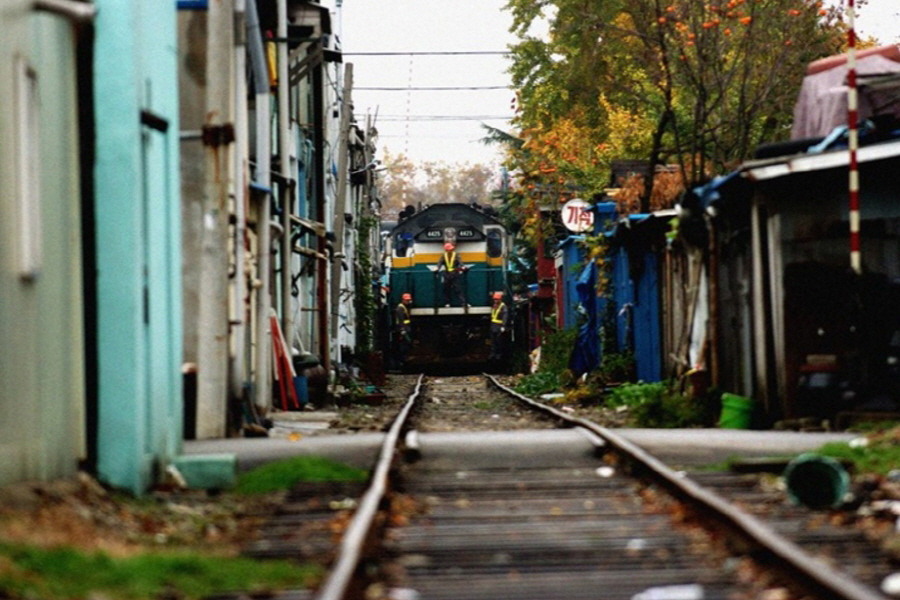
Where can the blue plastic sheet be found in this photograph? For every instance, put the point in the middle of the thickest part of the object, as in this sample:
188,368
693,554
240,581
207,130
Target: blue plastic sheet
585,355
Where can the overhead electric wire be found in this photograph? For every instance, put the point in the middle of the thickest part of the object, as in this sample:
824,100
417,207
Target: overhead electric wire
448,53
438,88
399,118
417,122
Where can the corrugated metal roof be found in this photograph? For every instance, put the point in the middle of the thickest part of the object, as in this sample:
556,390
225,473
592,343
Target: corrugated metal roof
804,163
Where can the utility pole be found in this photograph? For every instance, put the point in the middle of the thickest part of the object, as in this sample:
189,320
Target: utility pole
218,136
340,207
853,133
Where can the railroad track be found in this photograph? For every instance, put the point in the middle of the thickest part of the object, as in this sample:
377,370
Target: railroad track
543,505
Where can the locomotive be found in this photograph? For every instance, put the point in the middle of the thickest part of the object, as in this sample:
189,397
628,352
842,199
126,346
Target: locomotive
456,335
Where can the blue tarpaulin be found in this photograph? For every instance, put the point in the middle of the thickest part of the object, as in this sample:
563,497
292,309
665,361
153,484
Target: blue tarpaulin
586,354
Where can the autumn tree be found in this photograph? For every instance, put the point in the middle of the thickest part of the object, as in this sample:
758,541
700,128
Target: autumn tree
725,74
465,183
403,182
396,183
691,83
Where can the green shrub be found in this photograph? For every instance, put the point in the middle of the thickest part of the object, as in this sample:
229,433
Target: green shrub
634,394
659,405
553,371
542,382
556,350
617,366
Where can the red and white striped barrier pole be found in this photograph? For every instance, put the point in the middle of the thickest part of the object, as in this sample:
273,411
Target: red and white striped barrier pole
853,132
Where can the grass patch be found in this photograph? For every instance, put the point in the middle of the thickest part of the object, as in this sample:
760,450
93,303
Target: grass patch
489,405
880,454
190,565
63,574
285,474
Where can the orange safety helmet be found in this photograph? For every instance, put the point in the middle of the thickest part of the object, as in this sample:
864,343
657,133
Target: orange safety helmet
406,297
497,295
449,246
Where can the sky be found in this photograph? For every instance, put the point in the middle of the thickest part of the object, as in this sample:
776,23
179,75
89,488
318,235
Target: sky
441,125
435,43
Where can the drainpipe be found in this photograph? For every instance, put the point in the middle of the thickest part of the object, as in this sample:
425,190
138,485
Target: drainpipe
218,134
712,333
263,392
760,314
340,209
284,152
322,313
239,298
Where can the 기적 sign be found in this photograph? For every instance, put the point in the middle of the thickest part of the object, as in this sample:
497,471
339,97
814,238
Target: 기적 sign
577,216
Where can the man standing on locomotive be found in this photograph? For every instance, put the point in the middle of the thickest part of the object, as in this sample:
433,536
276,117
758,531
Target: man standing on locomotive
453,267
499,319
403,330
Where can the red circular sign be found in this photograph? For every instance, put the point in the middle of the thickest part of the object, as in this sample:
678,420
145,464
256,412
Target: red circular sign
577,216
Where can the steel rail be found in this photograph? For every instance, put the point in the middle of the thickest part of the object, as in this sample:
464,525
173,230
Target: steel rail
358,530
814,572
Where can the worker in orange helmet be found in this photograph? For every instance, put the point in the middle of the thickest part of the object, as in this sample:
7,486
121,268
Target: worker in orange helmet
453,268
402,330
499,322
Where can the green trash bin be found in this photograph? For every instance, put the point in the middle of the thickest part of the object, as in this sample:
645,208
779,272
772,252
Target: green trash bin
737,412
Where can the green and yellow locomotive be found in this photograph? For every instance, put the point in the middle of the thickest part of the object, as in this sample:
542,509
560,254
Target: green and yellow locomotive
450,321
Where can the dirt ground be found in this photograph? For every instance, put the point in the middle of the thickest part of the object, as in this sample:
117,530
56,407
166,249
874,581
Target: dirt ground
376,416
80,513
83,514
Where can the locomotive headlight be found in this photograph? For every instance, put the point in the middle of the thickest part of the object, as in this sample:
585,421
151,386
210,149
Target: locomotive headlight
450,234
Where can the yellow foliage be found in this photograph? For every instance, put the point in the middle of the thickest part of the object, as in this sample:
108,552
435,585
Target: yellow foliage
630,131
562,155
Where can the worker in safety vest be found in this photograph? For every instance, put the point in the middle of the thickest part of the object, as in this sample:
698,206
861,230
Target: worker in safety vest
403,330
499,319
453,269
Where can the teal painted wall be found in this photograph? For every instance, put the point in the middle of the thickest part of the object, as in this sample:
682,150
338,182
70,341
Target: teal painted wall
41,324
138,242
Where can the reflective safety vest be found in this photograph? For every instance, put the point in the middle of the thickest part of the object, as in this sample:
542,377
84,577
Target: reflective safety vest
450,260
495,314
405,313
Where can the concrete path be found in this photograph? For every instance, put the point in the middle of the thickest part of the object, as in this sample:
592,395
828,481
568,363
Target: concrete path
683,447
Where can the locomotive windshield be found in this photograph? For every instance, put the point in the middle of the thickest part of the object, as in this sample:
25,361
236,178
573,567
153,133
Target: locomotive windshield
402,242
494,243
